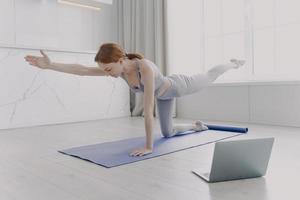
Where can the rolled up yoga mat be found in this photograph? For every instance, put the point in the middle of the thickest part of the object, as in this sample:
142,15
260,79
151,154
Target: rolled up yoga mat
115,153
227,128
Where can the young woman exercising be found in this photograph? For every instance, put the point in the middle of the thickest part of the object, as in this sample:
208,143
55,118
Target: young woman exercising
142,75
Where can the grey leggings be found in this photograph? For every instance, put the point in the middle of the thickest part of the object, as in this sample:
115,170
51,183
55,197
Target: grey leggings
184,85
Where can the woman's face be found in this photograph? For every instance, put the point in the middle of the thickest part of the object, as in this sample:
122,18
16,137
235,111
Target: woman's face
112,69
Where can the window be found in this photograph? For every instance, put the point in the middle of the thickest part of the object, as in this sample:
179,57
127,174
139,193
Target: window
264,32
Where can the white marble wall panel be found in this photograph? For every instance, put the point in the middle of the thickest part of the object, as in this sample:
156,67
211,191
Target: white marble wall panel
31,96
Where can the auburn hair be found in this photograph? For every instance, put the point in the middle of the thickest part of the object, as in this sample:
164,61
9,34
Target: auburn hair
112,52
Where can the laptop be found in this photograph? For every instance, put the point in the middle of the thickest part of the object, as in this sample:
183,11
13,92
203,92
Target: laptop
238,159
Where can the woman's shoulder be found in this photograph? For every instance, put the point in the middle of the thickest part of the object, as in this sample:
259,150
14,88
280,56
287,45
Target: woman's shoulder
145,63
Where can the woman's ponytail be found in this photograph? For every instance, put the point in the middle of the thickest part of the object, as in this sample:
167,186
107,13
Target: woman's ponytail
131,56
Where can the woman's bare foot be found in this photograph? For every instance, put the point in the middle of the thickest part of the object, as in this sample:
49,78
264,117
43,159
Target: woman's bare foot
199,126
238,63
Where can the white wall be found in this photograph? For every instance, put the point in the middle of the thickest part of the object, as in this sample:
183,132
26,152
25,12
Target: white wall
274,104
195,36
203,33
45,23
184,37
30,96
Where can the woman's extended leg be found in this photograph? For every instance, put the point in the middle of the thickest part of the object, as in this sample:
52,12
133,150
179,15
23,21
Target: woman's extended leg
184,85
166,123
190,84
218,70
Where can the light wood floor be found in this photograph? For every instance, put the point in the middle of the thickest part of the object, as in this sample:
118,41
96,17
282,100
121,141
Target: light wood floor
31,168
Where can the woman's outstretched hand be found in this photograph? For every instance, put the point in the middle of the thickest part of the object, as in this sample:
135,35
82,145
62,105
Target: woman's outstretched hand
42,62
141,152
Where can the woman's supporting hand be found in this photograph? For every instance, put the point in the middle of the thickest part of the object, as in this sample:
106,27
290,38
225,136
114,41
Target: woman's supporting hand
42,62
141,152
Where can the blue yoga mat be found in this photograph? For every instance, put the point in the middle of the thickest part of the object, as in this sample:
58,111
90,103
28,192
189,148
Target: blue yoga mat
116,153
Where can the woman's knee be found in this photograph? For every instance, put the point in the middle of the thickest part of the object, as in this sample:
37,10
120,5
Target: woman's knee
168,133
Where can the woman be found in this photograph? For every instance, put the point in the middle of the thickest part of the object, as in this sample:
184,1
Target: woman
142,75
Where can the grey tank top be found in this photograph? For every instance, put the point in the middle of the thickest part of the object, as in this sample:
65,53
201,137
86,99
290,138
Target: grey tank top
159,79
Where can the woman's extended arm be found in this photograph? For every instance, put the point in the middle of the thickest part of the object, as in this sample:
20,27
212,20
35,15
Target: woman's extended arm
148,111
77,69
45,63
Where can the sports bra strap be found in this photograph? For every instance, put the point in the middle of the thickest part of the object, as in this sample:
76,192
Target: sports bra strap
138,73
